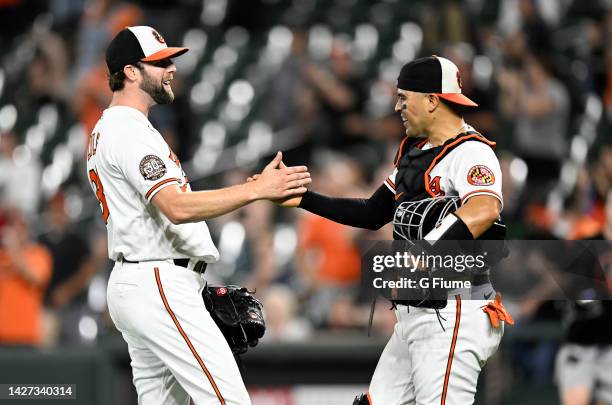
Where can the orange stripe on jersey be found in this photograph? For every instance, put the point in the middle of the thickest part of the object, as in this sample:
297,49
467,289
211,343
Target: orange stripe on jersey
452,350
420,144
399,152
158,185
439,156
390,183
481,191
369,398
186,338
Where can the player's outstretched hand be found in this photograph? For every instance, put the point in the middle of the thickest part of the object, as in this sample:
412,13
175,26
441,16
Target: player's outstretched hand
289,202
277,181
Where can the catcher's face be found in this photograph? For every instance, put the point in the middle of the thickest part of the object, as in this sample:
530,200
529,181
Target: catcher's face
413,109
156,80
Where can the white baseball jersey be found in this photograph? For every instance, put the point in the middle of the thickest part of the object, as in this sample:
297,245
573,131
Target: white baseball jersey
178,353
468,170
431,358
128,162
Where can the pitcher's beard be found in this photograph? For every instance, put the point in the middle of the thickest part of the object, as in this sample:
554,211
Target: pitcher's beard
156,91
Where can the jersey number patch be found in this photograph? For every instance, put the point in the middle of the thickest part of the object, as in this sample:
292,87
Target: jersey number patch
95,180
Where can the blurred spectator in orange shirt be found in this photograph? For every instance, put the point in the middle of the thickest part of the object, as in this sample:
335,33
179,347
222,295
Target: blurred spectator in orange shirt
328,259
327,249
339,262
25,269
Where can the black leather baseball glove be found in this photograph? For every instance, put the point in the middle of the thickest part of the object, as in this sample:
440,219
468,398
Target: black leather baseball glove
237,314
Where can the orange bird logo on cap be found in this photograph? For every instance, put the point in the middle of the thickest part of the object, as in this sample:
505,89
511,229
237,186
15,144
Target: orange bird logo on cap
158,37
459,80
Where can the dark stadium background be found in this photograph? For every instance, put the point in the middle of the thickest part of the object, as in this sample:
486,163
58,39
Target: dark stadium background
315,79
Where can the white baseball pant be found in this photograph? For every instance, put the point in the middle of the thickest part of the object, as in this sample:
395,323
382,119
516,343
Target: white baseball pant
177,350
424,364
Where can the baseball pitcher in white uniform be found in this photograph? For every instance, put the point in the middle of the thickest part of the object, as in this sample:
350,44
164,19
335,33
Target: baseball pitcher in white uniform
439,346
157,235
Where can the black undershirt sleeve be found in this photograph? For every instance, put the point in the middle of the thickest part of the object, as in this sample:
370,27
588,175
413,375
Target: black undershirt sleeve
371,213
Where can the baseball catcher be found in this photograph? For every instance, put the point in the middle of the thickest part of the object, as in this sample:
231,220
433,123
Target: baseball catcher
441,156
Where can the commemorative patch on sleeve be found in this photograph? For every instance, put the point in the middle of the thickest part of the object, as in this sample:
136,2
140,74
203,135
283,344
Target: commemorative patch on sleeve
481,175
152,168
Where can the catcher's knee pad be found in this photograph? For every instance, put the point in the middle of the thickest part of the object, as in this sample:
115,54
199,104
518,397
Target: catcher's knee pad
361,400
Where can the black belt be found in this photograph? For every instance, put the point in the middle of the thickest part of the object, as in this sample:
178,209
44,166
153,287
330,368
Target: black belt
200,267
477,280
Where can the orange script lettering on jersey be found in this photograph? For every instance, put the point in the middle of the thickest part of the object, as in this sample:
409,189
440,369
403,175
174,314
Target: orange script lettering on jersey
434,187
176,160
93,144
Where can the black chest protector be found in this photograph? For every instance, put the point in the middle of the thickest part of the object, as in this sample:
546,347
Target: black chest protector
414,165
424,207
413,182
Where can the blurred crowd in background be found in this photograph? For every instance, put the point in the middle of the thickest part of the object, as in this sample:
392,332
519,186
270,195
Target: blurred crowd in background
316,79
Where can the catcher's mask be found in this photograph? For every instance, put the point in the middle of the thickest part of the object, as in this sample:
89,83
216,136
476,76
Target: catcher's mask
414,219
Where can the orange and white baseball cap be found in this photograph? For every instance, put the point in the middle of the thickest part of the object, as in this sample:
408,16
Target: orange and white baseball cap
138,44
436,75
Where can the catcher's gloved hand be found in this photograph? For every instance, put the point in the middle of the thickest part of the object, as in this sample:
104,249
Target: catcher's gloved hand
237,314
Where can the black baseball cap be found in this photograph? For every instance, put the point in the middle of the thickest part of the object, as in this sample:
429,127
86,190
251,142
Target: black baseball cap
138,44
436,75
